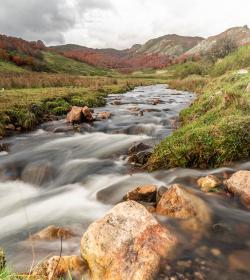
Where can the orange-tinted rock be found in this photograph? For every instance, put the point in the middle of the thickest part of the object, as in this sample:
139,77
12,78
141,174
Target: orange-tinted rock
180,203
145,193
239,184
59,267
127,243
240,261
208,183
79,114
104,115
53,233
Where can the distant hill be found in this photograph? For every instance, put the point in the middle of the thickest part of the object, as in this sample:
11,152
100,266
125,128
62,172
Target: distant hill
237,35
18,55
156,53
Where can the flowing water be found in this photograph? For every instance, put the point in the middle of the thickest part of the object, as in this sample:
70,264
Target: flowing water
65,176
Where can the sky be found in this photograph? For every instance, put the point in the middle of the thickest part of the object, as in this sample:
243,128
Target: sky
118,23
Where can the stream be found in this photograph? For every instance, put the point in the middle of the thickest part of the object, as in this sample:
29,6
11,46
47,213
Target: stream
69,177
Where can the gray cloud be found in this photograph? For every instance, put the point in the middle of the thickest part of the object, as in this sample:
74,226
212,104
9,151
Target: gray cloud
47,20
118,23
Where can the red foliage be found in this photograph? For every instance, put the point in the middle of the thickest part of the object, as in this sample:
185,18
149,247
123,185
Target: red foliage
121,60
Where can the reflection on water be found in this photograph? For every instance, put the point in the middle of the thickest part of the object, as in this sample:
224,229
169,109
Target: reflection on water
57,176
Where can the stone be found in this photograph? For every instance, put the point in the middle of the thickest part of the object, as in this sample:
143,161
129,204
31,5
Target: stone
127,243
10,127
88,114
103,115
239,184
140,158
155,101
116,102
79,114
134,109
215,252
53,233
240,261
38,173
138,147
145,193
75,115
208,183
248,88
149,110
160,193
60,267
181,203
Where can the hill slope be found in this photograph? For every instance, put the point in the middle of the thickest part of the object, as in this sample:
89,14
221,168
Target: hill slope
237,35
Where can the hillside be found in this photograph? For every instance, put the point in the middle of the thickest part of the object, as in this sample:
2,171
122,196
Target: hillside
237,36
156,53
18,55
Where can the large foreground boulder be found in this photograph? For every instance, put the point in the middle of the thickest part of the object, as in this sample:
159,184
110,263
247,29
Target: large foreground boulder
126,244
79,114
181,203
239,184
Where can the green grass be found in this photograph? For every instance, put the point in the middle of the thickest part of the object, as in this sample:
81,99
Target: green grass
59,64
237,60
9,67
215,129
25,108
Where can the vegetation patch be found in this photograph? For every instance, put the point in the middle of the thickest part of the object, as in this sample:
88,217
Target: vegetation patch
215,129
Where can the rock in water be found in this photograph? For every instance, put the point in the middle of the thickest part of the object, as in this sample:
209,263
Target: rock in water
75,115
103,115
53,233
208,183
78,115
146,193
239,184
60,267
138,147
126,244
178,202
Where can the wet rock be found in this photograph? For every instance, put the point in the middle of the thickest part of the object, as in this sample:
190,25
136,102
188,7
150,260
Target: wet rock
126,244
140,158
63,129
178,202
60,267
4,147
138,147
103,115
208,183
10,127
134,109
239,184
248,88
215,252
53,233
116,102
38,173
240,261
2,259
146,193
79,114
160,193
155,101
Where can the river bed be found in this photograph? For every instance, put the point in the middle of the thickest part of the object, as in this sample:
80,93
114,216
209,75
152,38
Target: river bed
69,177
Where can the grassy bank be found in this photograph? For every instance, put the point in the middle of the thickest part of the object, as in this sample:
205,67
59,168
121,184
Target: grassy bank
215,129
26,107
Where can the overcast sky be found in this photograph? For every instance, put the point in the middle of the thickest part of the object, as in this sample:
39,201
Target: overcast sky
118,23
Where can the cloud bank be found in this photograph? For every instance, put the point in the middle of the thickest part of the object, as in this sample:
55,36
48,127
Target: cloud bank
118,23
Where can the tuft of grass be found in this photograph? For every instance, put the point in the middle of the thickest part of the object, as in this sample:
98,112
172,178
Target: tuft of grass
237,60
215,128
